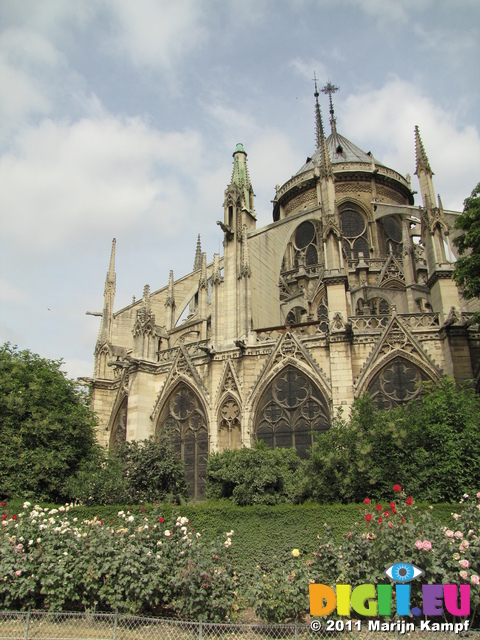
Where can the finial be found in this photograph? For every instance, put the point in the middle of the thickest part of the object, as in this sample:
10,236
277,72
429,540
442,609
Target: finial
216,279
170,301
318,115
198,255
421,156
329,89
202,282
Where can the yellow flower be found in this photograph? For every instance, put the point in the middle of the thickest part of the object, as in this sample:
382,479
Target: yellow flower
295,553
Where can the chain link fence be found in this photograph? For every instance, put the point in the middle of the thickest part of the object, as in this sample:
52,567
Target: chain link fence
105,626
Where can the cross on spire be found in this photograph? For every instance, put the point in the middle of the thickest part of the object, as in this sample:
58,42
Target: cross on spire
329,89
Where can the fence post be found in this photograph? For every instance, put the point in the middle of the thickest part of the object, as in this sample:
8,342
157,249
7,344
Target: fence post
27,624
200,631
296,630
115,622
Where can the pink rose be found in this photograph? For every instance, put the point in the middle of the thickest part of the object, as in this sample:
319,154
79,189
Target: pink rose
427,545
475,579
459,535
449,533
464,564
478,494
18,573
464,575
419,544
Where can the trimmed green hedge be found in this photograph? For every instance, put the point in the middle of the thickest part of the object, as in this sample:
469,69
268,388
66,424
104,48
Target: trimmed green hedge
261,532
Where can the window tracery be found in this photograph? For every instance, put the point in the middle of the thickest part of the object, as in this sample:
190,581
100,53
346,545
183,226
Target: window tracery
184,418
292,409
354,230
396,383
393,236
230,436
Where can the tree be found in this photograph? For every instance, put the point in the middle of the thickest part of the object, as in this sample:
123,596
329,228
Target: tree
46,426
467,268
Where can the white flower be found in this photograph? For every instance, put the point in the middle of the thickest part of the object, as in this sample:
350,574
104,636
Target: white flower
130,519
198,534
30,542
227,543
65,553
230,533
26,505
61,508
39,540
121,514
167,533
159,544
52,512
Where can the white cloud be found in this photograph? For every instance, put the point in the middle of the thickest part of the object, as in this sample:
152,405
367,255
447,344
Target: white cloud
384,120
69,180
156,32
306,69
10,293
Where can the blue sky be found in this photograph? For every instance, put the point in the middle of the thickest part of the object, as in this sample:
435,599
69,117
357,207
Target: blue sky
119,119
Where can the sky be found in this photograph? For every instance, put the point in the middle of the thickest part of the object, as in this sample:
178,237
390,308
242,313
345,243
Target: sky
118,118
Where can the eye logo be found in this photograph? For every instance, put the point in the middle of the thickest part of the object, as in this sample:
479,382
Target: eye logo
403,572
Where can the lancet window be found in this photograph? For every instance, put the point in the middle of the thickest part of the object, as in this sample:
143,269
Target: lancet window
184,419
290,412
396,383
393,236
304,248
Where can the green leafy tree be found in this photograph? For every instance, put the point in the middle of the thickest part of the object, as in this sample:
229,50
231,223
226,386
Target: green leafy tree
431,446
46,426
467,268
255,476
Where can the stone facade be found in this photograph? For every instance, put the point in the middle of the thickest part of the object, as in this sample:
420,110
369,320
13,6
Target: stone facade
349,290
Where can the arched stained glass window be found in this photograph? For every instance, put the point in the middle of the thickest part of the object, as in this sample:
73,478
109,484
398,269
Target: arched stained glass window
291,410
396,383
184,417
354,231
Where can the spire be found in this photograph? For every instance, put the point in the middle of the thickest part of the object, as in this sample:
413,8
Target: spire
329,89
147,304
198,255
421,156
111,268
202,283
326,170
318,116
170,301
241,178
108,299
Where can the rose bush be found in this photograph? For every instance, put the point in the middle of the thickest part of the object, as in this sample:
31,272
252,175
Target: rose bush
136,564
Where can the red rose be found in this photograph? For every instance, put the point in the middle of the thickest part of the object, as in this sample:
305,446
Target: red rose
14,517
392,505
386,514
380,520
160,520
378,507
403,519
368,517
367,501
390,524
394,511
4,517
3,503
409,500
397,488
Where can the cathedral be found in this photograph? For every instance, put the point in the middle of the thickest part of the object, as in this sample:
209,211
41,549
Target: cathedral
349,290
